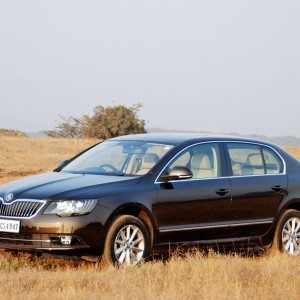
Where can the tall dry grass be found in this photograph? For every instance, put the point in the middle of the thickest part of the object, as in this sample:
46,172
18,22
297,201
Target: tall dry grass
194,276
191,277
26,156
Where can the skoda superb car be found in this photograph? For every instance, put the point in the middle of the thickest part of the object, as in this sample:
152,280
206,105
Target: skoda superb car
125,197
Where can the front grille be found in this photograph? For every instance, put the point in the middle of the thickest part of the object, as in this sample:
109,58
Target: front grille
20,208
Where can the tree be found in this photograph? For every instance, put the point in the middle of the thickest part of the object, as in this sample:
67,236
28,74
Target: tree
68,128
111,121
106,122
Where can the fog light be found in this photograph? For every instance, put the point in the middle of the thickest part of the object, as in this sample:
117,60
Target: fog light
66,240
61,240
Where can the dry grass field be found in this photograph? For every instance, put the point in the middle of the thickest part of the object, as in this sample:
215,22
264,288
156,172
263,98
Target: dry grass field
26,156
194,276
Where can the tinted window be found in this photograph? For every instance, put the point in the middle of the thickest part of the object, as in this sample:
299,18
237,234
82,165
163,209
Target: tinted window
272,161
246,159
203,160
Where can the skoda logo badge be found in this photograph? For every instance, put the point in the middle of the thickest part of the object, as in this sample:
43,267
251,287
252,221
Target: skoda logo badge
9,197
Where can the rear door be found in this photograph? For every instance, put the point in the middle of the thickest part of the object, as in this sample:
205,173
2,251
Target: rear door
258,183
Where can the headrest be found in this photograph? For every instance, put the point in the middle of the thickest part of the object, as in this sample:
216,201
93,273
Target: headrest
149,160
201,161
254,160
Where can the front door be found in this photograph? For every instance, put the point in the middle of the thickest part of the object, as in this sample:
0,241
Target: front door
195,209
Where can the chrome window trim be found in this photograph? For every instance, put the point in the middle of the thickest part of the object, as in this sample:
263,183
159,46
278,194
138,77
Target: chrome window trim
23,200
221,177
228,224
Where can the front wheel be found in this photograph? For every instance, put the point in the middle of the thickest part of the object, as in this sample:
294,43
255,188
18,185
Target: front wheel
287,235
127,242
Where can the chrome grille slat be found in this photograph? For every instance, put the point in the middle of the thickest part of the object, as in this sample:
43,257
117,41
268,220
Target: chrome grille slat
9,210
25,208
34,209
31,205
27,205
20,208
29,209
23,204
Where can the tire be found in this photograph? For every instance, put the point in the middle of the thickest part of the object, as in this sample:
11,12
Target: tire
127,242
287,233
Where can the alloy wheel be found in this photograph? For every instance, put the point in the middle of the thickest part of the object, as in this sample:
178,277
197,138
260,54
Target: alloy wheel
129,245
291,236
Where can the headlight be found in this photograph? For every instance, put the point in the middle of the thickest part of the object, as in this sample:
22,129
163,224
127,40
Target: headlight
67,208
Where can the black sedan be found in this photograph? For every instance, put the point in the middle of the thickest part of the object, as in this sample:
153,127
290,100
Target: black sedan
126,197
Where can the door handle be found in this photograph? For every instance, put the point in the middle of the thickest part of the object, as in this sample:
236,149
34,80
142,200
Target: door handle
277,188
222,192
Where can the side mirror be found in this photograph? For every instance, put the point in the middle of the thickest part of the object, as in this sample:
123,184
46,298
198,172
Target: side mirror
178,173
62,163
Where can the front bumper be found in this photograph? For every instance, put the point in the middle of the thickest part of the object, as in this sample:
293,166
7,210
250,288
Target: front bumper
45,233
47,242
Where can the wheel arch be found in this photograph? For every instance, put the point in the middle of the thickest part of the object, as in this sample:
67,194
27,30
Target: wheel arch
295,205
137,210
291,204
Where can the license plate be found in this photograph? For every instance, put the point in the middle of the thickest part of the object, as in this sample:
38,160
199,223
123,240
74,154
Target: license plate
9,226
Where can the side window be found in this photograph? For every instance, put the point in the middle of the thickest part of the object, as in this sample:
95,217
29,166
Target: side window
246,159
272,161
203,160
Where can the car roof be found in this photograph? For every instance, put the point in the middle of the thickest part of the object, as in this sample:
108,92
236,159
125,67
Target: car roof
178,138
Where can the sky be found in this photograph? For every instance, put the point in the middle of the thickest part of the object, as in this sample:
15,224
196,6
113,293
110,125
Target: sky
216,65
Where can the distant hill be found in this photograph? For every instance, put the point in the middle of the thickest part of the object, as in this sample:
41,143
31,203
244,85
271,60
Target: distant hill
36,134
279,140
12,132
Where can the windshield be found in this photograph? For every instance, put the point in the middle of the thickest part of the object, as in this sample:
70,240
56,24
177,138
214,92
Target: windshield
118,158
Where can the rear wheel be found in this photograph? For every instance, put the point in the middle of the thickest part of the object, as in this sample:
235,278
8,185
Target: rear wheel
127,242
287,235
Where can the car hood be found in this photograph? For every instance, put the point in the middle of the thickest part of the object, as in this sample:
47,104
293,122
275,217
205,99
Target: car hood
59,185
